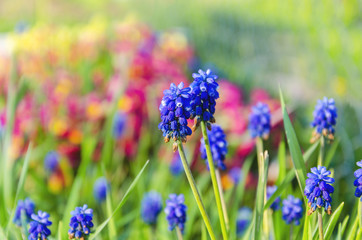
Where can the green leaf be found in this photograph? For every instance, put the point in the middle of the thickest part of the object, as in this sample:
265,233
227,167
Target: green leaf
121,203
259,205
333,221
342,228
331,153
24,171
307,234
352,232
294,148
282,162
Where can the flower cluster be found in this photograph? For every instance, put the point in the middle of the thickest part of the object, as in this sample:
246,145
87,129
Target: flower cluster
243,220
175,110
260,121
176,211
318,189
358,182
25,208
204,90
218,145
269,192
151,207
39,226
81,222
325,115
292,210
100,189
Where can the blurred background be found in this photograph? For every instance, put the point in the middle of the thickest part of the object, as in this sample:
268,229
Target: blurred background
88,77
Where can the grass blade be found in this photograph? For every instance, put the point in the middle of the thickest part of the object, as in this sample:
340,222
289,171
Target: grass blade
121,203
60,228
352,232
333,221
294,147
282,162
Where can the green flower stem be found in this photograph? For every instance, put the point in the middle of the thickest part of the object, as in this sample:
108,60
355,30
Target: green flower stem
260,154
226,217
360,213
195,191
320,225
179,234
321,151
214,181
291,232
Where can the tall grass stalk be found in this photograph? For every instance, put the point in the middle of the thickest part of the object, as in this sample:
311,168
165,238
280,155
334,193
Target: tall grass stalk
214,181
195,191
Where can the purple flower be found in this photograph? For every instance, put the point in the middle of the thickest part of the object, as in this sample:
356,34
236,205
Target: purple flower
235,175
218,145
318,189
176,166
39,226
119,124
27,207
81,223
176,211
204,94
270,190
175,110
51,161
243,220
325,116
100,189
292,210
151,207
358,182
260,121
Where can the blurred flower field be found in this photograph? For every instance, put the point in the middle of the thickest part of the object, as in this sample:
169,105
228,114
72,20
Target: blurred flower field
133,128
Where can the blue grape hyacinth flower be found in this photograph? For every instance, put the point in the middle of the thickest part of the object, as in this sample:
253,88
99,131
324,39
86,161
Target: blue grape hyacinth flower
39,226
218,145
100,189
243,220
358,182
325,118
292,210
25,208
176,212
260,121
81,223
318,189
175,110
176,167
151,207
204,92
119,125
51,161
270,190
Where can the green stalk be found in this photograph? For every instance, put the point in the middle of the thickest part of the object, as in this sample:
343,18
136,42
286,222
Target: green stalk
194,189
321,151
260,150
179,234
320,225
214,181
226,217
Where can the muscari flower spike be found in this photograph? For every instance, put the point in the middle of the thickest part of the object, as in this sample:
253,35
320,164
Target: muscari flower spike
218,145
176,211
81,223
358,182
260,121
292,210
243,220
325,116
51,161
26,208
270,190
151,207
39,226
176,167
175,110
204,94
318,189
100,189
119,125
